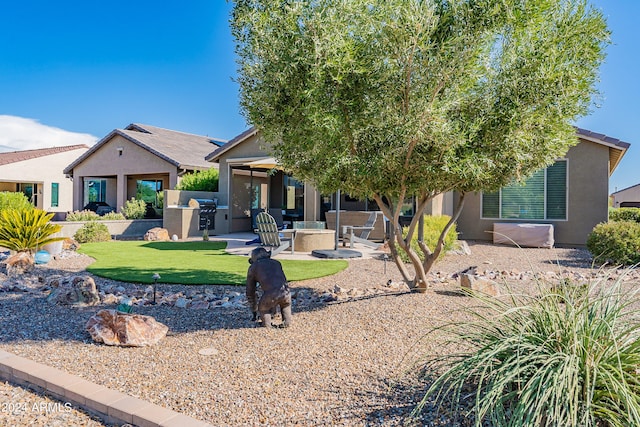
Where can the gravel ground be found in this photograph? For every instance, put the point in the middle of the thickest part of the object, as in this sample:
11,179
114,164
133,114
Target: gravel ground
347,362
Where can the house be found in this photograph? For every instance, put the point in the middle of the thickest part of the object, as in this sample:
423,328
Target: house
627,198
247,182
38,174
138,161
571,194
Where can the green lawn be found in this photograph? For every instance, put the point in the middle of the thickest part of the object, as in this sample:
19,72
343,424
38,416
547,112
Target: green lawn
188,263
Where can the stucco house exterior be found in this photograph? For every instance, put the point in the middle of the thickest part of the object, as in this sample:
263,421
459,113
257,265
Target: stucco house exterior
246,182
627,197
137,157
572,194
39,175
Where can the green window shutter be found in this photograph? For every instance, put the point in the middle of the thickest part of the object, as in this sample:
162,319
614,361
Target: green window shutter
491,205
524,200
55,188
557,190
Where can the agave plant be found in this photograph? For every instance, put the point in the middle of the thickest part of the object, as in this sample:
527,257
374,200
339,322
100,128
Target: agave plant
566,357
27,230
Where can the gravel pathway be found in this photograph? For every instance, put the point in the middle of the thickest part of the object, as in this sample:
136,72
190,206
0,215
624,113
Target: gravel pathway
345,361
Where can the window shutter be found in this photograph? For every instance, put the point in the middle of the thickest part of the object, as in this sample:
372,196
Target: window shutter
524,200
557,191
491,205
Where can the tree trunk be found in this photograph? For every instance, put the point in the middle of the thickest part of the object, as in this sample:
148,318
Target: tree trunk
419,281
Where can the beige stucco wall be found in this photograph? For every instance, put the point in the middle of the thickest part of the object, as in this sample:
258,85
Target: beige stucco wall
183,221
248,150
631,194
588,181
107,162
44,171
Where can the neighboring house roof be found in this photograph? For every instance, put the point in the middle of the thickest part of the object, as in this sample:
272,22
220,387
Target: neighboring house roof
183,150
215,155
19,156
625,189
617,148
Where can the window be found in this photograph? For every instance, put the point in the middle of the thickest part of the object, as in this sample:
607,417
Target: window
54,194
147,190
95,190
542,196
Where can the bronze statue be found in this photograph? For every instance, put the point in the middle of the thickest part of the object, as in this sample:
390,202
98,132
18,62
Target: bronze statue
275,289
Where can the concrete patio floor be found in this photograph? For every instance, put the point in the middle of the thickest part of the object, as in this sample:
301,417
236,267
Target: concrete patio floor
237,245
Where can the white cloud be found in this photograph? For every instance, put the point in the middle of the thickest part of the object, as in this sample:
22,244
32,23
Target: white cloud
19,133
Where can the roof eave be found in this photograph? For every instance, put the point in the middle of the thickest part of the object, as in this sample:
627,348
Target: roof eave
215,155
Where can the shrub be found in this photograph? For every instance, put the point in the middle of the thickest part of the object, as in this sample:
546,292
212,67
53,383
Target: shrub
565,357
112,216
624,214
199,181
14,200
92,231
85,215
134,209
615,242
27,229
433,226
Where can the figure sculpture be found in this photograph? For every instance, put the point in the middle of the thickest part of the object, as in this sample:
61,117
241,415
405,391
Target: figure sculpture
275,289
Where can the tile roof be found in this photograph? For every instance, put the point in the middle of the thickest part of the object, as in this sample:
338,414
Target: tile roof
183,150
19,156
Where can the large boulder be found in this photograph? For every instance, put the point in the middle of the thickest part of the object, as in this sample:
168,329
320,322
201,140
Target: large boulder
156,233
73,290
112,327
18,264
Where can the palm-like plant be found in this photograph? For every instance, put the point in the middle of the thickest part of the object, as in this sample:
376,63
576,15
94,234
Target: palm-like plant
26,230
569,357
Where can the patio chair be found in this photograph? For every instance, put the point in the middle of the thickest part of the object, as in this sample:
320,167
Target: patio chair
270,236
275,213
360,234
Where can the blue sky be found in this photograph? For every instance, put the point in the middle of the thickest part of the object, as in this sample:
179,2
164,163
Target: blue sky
79,69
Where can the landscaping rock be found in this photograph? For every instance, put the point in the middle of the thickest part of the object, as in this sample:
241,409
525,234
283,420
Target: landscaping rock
157,233
479,284
123,329
73,290
18,264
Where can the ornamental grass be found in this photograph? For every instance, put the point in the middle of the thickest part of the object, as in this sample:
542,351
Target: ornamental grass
567,356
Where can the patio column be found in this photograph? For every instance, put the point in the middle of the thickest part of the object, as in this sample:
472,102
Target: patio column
78,192
121,190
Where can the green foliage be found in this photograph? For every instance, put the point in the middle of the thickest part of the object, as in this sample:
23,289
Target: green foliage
91,232
14,200
112,216
615,242
206,180
568,357
624,214
188,263
392,99
134,209
85,215
433,226
26,230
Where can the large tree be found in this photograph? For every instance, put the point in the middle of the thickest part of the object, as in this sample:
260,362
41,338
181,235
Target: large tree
392,99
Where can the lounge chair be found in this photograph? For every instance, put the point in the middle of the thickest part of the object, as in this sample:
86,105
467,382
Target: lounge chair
360,234
275,213
270,236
